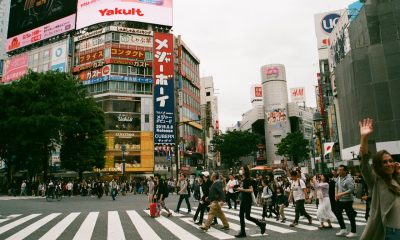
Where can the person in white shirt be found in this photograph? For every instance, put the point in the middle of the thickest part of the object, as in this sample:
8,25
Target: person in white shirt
299,193
230,193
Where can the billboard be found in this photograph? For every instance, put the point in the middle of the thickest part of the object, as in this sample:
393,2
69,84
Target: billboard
135,40
298,95
273,72
147,11
277,115
127,53
163,70
26,15
340,42
41,33
15,67
95,73
59,56
324,25
256,92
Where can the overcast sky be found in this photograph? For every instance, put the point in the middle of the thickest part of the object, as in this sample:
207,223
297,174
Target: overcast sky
234,38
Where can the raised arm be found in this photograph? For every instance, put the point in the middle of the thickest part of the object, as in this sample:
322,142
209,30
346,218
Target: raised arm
366,129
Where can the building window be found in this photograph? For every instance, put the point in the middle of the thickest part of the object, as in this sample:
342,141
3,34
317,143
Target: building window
208,94
146,118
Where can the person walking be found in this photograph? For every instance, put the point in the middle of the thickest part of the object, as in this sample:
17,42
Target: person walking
344,201
150,187
324,212
383,180
245,192
114,189
23,188
184,194
281,201
216,199
266,199
160,194
298,191
230,194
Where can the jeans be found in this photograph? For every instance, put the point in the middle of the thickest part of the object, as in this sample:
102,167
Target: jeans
300,210
392,234
351,214
181,197
245,209
113,194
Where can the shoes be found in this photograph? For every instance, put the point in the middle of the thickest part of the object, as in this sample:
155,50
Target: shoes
214,223
240,235
283,220
198,223
343,232
229,207
293,224
225,228
277,219
330,226
262,220
169,214
177,211
269,216
204,228
310,220
351,235
262,227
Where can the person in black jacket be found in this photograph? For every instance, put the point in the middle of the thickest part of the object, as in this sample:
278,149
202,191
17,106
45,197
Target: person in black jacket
215,197
204,203
246,201
332,185
160,194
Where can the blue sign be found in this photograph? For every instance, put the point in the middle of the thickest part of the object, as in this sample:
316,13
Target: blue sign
164,117
58,67
118,78
329,22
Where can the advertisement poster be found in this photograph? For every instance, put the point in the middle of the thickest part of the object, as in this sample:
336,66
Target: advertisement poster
90,12
164,117
15,68
26,15
41,33
297,95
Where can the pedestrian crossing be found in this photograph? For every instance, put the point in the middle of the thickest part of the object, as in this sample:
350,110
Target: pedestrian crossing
137,224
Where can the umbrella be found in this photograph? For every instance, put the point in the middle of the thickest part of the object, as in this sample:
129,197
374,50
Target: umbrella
261,168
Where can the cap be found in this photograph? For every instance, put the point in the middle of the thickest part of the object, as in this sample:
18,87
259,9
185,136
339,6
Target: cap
207,174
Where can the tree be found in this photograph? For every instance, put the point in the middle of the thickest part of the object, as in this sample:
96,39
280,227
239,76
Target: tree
39,111
235,144
294,146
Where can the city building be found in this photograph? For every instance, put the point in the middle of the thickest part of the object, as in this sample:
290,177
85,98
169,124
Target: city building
189,126
367,78
4,12
210,120
275,95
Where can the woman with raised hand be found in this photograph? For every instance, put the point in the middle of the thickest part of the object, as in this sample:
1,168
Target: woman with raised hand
324,212
383,178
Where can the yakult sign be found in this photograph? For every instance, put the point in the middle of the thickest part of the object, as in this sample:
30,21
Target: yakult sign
95,11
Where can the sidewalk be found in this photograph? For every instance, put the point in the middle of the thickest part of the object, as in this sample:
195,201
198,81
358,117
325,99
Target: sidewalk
358,205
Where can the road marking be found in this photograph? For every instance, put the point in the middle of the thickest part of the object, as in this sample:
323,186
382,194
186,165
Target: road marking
232,226
10,217
268,227
33,227
58,229
175,229
211,231
143,228
115,230
12,225
86,229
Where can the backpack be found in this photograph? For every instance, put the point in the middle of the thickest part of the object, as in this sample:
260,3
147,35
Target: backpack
165,189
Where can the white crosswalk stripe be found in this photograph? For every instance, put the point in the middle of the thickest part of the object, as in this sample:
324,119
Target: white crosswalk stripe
87,227
115,230
139,225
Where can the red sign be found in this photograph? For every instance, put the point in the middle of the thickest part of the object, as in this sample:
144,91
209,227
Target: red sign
91,57
258,91
94,73
127,53
15,68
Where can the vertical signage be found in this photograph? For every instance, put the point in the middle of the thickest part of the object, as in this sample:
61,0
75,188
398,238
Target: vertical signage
163,70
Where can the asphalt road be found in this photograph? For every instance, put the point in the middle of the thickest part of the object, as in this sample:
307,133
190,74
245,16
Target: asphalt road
126,218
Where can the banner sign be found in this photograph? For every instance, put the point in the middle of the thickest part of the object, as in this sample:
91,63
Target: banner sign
89,57
119,79
146,11
164,112
297,94
127,53
135,40
94,73
41,33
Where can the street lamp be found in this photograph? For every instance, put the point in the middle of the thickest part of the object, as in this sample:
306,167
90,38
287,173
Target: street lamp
123,149
317,119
